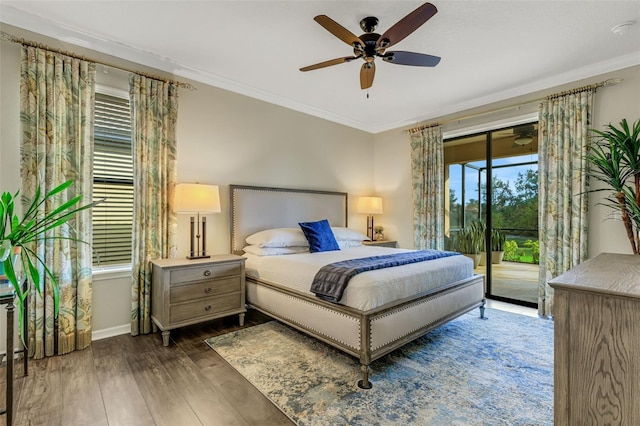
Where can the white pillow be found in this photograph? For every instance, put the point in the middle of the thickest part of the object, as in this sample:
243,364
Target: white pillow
344,244
274,251
348,234
278,237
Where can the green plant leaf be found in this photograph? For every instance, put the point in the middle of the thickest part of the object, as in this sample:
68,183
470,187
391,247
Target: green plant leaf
614,159
33,227
5,250
11,276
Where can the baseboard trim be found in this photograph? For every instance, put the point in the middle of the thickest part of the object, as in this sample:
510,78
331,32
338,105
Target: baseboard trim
110,332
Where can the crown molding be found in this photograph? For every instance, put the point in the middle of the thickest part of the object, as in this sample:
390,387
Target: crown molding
546,84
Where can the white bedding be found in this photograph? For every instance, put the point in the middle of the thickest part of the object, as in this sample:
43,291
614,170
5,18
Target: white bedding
366,290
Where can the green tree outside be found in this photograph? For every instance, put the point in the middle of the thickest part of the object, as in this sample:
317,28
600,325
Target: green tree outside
513,207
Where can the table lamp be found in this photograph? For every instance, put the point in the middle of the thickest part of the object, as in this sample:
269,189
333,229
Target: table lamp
199,199
370,206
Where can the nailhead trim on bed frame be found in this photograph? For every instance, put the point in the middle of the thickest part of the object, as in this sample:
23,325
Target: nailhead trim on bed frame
430,299
288,318
320,332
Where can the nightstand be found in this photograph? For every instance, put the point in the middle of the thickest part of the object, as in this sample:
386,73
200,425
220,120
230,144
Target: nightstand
186,292
381,243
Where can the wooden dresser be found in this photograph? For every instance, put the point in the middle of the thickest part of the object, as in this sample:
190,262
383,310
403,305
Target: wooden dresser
597,342
187,292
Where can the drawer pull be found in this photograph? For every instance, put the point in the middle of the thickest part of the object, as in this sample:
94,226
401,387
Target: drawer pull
207,290
207,272
207,308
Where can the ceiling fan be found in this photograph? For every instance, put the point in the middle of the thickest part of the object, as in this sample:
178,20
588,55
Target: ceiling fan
523,135
370,44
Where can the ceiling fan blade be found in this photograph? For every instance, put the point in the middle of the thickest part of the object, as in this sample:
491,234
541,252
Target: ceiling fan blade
329,63
367,73
338,30
411,58
406,25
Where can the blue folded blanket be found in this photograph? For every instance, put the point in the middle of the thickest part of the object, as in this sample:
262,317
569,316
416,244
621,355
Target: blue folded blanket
332,279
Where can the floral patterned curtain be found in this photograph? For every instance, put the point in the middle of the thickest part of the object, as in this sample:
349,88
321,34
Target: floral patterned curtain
154,110
427,168
57,96
563,203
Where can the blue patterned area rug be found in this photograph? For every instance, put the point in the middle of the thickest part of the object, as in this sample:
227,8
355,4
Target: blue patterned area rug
467,372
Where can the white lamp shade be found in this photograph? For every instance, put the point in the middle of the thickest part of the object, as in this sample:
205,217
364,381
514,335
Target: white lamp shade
370,205
196,198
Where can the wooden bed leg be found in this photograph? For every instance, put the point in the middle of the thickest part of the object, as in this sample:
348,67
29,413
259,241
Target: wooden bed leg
365,383
482,308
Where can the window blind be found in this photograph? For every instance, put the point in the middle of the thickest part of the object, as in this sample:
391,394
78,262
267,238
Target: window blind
112,182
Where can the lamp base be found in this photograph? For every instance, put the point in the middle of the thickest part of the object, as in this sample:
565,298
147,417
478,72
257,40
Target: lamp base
206,256
196,252
370,227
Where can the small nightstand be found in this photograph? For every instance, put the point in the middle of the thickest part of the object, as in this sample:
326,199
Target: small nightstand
186,292
381,243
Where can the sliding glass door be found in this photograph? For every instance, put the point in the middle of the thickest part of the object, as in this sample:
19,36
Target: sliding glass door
492,182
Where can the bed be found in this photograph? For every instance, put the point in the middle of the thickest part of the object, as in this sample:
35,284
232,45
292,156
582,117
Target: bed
366,330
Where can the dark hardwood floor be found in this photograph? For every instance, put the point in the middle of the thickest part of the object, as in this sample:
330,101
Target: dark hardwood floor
128,380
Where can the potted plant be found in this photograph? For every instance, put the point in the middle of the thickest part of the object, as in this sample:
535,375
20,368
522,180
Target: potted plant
498,239
468,242
480,228
614,159
17,234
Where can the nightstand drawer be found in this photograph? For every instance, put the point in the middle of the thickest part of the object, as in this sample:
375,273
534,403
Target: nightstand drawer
183,293
205,272
205,307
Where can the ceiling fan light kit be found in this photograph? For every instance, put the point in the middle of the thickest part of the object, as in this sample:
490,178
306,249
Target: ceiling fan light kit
523,140
371,44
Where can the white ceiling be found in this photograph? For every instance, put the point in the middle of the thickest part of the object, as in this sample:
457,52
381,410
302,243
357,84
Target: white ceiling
491,50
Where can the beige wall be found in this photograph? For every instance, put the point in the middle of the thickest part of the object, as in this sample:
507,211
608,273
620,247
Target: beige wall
393,173
226,138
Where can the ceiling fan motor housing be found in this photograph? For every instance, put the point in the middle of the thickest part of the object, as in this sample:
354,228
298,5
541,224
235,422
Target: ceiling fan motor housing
369,49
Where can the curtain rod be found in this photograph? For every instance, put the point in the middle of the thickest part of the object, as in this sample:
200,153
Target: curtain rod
609,82
22,41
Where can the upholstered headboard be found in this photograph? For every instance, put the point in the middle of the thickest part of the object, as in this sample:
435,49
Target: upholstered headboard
255,208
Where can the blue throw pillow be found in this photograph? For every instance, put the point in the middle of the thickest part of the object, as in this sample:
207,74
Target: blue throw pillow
319,235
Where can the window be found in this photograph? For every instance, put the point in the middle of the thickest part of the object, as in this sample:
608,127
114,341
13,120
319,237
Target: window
112,182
